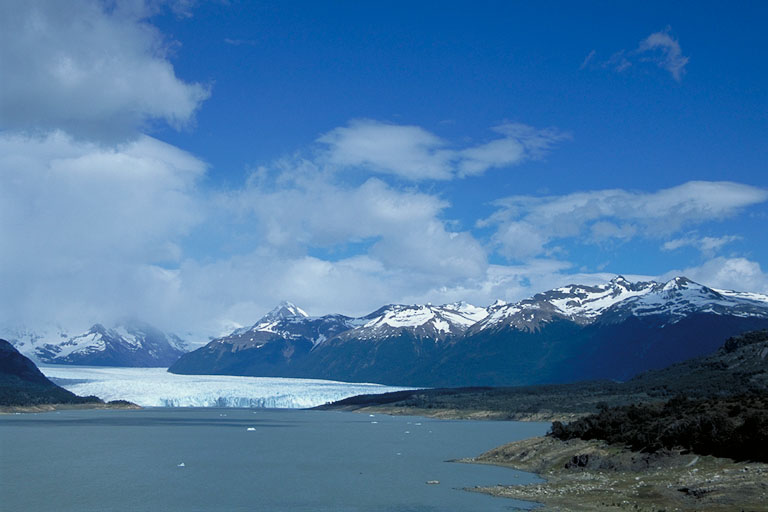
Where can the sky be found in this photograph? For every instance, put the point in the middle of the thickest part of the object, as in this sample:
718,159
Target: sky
193,163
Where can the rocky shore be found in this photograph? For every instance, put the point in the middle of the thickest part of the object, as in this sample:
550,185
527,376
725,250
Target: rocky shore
592,475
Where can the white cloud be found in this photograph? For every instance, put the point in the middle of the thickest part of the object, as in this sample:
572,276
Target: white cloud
518,144
526,225
80,222
88,69
406,151
413,153
402,228
665,52
738,274
708,245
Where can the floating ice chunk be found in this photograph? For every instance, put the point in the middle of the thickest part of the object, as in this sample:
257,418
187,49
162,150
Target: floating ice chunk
250,429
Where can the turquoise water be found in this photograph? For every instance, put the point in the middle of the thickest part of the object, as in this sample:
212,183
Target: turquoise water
249,460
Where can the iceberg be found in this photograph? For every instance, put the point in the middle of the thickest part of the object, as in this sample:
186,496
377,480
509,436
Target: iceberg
155,387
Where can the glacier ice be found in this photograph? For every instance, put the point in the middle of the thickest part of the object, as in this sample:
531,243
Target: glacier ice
155,387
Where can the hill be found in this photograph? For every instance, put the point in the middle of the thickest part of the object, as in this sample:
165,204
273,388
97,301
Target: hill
739,366
23,385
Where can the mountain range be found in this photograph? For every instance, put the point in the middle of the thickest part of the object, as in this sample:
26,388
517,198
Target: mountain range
577,332
129,343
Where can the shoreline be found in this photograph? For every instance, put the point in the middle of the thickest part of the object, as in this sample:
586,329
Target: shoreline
26,409
457,414
592,475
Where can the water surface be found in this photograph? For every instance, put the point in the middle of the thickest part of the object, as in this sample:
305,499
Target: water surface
249,460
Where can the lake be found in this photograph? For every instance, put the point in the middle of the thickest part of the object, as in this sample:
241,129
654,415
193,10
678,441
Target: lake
249,460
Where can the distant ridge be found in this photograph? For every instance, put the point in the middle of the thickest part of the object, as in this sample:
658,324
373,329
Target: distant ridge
576,332
127,343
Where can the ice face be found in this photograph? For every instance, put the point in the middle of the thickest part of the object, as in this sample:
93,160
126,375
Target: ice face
155,387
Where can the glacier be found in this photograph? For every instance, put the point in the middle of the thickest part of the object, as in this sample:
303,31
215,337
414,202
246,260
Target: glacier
155,387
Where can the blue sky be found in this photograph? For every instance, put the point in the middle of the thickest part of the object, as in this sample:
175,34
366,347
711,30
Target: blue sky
194,163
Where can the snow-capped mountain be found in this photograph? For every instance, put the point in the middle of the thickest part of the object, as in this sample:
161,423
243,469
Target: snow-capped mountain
620,299
273,346
27,340
287,322
427,321
286,338
129,343
575,332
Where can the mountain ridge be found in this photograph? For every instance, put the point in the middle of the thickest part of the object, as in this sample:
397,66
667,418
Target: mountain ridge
129,342
554,336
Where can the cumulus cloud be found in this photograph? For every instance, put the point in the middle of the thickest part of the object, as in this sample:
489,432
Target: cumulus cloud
80,222
413,153
518,143
94,232
664,50
88,69
406,151
402,229
526,225
740,274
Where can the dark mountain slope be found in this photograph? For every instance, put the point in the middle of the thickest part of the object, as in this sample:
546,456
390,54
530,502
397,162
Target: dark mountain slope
573,333
23,384
738,366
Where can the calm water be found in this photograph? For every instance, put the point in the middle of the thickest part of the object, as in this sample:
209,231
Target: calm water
290,461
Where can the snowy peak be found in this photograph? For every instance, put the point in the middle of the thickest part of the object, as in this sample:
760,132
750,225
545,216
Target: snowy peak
129,343
427,320
680,297
620,298
583,303
679,283
27,340
287,322
284,310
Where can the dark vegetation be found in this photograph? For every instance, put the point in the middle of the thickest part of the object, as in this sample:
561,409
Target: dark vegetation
735,427
739,366
506,402
23,384
721,407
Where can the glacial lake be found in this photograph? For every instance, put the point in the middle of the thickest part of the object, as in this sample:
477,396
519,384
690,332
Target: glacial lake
249,460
